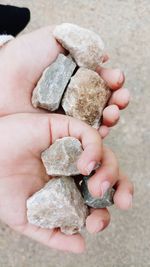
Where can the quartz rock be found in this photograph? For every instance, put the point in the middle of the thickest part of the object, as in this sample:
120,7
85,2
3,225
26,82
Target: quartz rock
97,203
85,46
61,157
58,204
50,88
86,96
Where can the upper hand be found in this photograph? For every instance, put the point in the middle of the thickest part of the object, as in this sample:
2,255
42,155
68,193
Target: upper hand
22,62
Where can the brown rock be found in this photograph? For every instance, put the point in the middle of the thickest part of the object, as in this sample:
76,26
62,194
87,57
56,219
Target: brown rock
86,97
58,204
85,46
61,157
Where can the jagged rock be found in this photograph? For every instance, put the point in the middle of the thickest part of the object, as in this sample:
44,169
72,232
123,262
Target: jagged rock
58,204
61,157
97,203
86,97
85,46
50,88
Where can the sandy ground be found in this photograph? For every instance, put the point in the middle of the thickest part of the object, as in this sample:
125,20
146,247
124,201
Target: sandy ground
125,27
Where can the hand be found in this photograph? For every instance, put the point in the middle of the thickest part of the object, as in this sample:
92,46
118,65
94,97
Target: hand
22,62
22,139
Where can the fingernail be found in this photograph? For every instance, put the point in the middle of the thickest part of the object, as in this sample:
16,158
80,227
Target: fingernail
121,77
99,227
91,167
129,201
104,187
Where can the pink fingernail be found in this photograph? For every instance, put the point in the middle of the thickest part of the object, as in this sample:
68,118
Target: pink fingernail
99,227
91,167
104,187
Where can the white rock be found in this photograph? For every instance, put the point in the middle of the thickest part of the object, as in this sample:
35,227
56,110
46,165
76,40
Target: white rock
85,46
58,204
61,157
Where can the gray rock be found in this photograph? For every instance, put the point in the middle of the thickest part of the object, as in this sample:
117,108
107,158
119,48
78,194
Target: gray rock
85,46
61,157
86,96
50,88
58,204
97,203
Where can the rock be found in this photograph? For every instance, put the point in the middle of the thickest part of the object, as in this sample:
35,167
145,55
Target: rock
58,204
85,46
86,96
97,203
61,157
50,88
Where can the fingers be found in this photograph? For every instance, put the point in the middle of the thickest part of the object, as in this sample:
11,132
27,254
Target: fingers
113,77
106,176
98,220
53,238
120,98
124,193
111,115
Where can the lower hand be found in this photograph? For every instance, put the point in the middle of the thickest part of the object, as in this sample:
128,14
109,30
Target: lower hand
22,139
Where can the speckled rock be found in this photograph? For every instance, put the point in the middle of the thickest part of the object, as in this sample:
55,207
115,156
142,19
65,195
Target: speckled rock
97,203
58,204
61,157
86,96
85,46
50,88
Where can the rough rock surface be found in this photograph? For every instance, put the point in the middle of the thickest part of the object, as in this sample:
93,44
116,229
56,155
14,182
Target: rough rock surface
85,46
86,97
61,157
97,203
58,204
50,88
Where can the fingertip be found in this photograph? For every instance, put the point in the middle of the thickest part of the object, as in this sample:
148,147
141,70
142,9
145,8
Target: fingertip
111,115
79,246
121,98
123,201
71,243
104,131
90,157
113,77
97,221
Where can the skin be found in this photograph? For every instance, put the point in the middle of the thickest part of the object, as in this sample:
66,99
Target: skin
22,62
21,148
31,54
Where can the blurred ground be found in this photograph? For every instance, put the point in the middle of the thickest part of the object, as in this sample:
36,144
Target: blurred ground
125,27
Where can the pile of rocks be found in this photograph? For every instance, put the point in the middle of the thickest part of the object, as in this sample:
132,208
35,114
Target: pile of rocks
71,82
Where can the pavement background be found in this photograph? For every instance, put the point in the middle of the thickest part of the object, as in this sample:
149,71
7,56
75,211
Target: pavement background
125,28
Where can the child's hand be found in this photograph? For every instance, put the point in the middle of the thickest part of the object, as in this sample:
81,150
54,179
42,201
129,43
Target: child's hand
22,62
22,139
